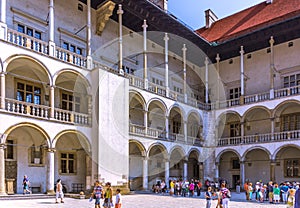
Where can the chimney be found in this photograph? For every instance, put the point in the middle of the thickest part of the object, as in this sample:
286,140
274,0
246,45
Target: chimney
210,18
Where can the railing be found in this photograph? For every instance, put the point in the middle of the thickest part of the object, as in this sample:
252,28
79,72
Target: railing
41,111
256,98
287,91
176,96
70,57
157,89
19,107
260,138
136,82
27,41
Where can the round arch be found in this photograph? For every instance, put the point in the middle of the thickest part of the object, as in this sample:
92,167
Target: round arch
250,110
84,142
225,151
256,148
31,125
12,58
160,102
160,146
140,146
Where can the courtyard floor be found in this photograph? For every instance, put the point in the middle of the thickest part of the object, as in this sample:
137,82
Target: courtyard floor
137,201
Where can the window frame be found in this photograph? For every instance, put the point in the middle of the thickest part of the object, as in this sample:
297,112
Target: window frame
26,92
76,105
293,168
8,147
68,159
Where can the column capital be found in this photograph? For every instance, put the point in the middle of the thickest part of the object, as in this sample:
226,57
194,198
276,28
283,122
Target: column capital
144,26
206,61
218,57
242,50
120,10
184,49
271,41
51,150
166,38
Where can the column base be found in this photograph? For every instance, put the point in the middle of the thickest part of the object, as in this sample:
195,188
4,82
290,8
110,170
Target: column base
50,192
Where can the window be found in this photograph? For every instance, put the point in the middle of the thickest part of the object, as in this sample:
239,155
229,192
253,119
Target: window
67,163
235,129
292,80
30,32
72,48
9,151
70,102
291,168
36,154
234,93
290,122
157,81
176,127
235,163
177,89
128,70
28,93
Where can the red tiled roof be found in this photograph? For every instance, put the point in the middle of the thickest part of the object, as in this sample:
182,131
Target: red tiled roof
250,19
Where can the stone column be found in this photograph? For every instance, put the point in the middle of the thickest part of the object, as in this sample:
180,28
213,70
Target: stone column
145,54
242,131
89,58
166,39
146,121
2,80
2,167
50,171
242,76
51,28
120,13
242,172
217,170
3,25
185,131
218,84
272,170
184,73
185,169
272,128
167,172
201,175
52,101
272,68
145,173
206,80
167,127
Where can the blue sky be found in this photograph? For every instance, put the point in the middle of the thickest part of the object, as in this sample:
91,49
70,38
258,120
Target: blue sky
191,12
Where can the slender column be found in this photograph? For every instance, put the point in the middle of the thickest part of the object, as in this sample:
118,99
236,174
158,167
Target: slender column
89,36
2,166
145,173
51,28
201,176
146,120
145,54
272,68
50,171
52,102
120,13
167,127
3,26
184,72
2,80
242,131
167,172
185,133
272,170
242,76
242,172
206,79
166,39
218,84
217,170
185,169
272,127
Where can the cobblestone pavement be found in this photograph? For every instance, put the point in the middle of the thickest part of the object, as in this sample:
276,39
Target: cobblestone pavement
138,201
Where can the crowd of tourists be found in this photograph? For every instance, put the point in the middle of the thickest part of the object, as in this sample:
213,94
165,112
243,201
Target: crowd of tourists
285,193
273,192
